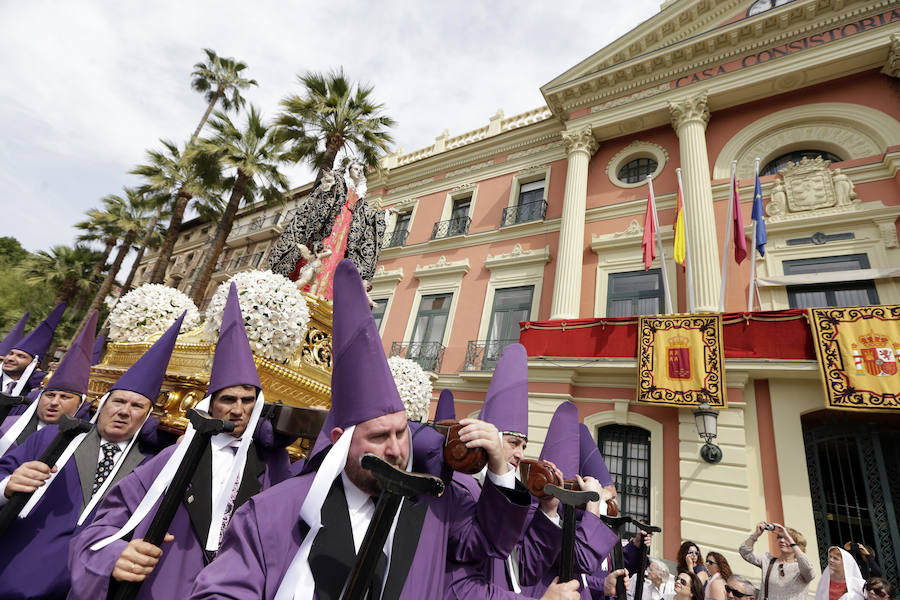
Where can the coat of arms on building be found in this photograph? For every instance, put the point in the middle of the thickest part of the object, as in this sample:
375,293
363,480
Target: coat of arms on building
810,185
680,360
859,352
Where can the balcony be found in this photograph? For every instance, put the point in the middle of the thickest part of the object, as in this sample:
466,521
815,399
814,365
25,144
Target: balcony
396,238
248,261
524,213
429,355
445,229
482,355
258,229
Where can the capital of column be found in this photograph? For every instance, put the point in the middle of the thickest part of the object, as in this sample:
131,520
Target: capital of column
892,66
695,109
580,140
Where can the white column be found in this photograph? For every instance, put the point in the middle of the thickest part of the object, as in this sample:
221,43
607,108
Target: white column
689,118
580,146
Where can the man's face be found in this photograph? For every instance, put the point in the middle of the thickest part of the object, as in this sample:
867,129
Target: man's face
514,449
122,415
56,403
387,437
15,362
234,404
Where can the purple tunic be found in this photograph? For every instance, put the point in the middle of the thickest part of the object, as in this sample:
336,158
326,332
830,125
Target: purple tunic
183,558
266,533
33,550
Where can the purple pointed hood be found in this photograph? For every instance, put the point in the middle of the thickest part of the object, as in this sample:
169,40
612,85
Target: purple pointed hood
562,446
506,402
146,375
445,407
592,463
15,334
233,363
97,351
362,387
38,341
74,369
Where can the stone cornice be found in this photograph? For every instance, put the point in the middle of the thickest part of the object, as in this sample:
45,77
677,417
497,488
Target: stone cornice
517,257
382,276
442,267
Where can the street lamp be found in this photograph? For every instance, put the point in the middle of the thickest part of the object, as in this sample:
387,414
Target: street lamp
706,418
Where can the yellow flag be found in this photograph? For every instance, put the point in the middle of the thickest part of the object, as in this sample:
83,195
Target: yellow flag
679,230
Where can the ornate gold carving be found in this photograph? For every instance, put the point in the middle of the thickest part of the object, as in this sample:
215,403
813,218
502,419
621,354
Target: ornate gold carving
695,109
892,65
580,140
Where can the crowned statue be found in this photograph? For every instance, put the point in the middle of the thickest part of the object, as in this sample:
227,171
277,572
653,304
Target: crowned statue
335,222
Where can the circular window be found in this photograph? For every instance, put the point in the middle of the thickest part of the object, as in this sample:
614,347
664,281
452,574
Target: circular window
637,170
780,162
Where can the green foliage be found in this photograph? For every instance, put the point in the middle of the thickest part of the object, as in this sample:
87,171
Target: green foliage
220,78
11,251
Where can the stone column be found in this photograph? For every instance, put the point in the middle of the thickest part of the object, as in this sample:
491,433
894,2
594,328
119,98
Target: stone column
689,118
580,145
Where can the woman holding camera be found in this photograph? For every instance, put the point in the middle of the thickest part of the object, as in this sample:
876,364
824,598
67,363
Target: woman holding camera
786,576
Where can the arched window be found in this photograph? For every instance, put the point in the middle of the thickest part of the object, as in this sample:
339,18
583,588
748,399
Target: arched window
626,450
778,163
636,170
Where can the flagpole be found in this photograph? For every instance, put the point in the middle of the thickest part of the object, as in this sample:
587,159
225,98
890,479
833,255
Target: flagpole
753,252
728,230
688,267
662,256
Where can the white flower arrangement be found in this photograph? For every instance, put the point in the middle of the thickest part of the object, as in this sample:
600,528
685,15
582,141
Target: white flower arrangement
414,386
148,310
275,313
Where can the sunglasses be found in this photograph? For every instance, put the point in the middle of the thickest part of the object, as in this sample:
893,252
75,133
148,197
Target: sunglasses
710,561
736,593
694,552
682,581
878,591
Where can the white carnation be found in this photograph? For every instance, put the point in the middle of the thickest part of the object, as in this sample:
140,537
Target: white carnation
414,386
148,310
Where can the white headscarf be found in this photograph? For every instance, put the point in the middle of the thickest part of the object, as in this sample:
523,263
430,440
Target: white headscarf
852,576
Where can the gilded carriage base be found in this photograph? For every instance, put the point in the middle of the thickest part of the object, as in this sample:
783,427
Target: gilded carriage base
305,381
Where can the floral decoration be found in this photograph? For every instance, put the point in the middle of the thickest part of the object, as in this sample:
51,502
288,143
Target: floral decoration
148,310
414,386
275,313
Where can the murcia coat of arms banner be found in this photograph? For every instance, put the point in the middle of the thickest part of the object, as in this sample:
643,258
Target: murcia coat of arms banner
859,353
680,360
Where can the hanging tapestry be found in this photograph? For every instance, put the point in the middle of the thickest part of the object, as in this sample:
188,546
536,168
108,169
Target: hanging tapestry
858,351
680,360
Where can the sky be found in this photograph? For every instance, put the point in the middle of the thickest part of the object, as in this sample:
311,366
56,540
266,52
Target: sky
88,87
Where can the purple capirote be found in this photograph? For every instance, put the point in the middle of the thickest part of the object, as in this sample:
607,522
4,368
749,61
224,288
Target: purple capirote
15,334
38,341
562,445
445,408
145,376
74,369
506,402
592,463
233,362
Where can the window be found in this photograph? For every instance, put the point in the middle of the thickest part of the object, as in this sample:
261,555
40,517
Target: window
849,293
626,450
511,305
378,311
636,171
459,216
428,332
776,164
635,293
529,206
401,230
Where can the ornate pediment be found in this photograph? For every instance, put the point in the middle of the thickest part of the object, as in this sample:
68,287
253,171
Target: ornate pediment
810,185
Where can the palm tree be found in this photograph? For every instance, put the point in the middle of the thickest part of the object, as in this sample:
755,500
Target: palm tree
255,156
98,228
184,175
333,115
65,269
219,79
153,235
130,215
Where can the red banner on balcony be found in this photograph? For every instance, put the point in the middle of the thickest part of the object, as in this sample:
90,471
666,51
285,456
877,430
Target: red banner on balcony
680,360
859,352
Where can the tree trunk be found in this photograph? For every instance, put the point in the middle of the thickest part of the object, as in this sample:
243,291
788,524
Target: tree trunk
65,292
165,253
98,266
333,144
219,91
103,292
222,231
145,241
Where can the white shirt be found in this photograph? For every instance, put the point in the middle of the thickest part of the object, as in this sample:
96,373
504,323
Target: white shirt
651,592
224,449
5,380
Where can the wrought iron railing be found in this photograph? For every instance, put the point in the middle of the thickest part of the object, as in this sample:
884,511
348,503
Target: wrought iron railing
523,213
482,355
445,229
429,355
396,238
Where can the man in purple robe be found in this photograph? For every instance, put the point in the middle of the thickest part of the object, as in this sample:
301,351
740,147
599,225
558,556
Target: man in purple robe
15,334
20,373
298,540
34,549
97,560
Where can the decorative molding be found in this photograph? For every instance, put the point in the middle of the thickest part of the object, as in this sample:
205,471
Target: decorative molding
442,267
888,231
689,110
517,257
471,168
383,277
580,140
532,170
892,65
647,93
634,150
810,185
634,229
535,150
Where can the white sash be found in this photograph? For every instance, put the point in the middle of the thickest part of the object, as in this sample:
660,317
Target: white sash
15,430
26,375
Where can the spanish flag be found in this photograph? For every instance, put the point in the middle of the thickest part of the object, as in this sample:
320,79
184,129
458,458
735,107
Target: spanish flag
680,241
